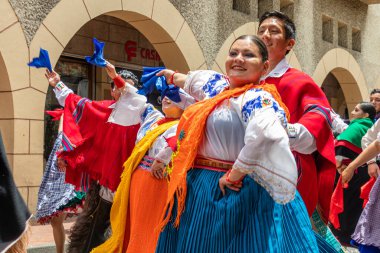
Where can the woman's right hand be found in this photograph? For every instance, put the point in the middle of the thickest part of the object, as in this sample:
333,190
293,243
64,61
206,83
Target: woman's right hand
223,183
52,77
373,170
167,73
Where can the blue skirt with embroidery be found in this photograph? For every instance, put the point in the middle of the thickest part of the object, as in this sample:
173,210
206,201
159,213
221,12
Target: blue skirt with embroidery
244,221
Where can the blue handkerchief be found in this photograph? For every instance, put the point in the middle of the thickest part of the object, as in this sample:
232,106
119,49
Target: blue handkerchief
150,81
42,61
97,58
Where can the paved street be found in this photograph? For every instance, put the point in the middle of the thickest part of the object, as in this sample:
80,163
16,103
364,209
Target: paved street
41,238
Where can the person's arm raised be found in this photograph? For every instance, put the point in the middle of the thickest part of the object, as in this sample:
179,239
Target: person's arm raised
60,89
173,77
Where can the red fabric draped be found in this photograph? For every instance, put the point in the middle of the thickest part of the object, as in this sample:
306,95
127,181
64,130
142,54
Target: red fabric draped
337,205
316,171
366,189
348,145
91,145
55,114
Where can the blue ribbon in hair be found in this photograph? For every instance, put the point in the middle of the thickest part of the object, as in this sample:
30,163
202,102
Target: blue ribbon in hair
97,58
42,61
150,81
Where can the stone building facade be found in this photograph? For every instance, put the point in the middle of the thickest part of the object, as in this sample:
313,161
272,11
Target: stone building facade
338,44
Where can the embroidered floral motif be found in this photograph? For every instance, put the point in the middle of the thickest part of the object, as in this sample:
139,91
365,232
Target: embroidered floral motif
181,135
214,85
262,100
147,111
251,105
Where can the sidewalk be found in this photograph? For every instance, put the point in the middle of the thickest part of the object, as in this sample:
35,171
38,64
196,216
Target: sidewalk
41,237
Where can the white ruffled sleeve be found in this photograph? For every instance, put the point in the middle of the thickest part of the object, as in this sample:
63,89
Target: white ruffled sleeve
266,156
165,154
202,84
149,118
372,134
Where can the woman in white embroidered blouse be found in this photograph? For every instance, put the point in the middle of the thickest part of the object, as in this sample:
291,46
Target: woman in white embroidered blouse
256,207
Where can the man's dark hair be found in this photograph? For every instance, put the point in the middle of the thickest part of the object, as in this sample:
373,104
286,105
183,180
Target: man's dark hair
374,91
368,108
258,42
290,28
125,74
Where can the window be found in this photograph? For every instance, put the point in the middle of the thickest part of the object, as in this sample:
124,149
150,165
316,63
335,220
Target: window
342,34
243,6
263,6
356,40
287,7
327,29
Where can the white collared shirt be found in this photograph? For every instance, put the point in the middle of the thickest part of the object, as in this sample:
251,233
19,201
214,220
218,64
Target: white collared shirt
279,70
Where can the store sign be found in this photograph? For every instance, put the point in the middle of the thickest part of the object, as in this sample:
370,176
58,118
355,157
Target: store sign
131,50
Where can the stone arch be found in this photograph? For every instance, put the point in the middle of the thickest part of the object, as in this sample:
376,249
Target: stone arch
14,77
346,70
172,38
6,105
377,83
247,28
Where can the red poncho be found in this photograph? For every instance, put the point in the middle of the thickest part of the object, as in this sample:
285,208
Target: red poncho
91,145
308,106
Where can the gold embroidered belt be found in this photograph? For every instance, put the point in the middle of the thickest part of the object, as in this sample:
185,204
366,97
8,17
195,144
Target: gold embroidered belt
212,164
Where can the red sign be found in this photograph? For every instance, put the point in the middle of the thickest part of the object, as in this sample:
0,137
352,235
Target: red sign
130,48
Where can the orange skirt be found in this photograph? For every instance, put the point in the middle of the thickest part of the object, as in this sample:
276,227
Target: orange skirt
146,204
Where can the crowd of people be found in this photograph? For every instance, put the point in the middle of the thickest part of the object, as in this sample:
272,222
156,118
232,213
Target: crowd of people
239,162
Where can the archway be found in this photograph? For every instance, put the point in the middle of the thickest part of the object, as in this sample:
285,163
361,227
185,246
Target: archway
6,112
172,38
347,73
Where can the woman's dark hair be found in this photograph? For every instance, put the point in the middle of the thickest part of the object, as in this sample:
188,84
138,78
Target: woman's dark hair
258,42
290,28
368,108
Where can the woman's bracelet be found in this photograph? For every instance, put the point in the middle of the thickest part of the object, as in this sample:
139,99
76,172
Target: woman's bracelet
171,79
371,162
233,182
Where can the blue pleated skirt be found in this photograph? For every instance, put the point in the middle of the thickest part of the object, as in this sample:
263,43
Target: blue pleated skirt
244,221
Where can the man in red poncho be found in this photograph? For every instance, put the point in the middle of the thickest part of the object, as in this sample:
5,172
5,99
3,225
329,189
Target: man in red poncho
98,137
310,135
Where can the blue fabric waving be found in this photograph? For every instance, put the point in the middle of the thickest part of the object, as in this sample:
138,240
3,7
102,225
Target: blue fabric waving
42,61
97,58
151,81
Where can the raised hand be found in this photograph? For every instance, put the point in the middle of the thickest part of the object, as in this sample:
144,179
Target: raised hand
52,77
111,71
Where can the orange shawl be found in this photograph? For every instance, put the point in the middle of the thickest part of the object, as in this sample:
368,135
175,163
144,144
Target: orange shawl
190,132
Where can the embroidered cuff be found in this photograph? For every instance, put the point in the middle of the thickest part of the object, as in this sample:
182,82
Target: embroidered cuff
60,86
292,131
